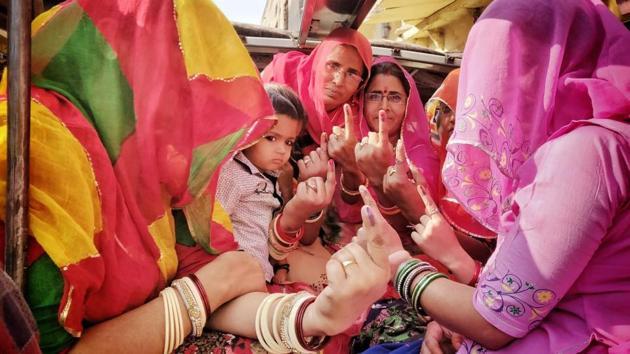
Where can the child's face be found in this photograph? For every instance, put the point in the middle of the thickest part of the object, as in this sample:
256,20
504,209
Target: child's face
273,150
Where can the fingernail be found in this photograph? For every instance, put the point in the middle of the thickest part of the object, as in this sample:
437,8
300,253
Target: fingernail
370,215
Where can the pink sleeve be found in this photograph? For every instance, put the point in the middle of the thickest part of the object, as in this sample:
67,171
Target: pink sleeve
563,207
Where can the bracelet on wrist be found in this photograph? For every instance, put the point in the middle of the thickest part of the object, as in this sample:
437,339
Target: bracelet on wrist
352,193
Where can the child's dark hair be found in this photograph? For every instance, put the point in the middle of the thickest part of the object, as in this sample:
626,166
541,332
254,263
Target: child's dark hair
285,101
392,69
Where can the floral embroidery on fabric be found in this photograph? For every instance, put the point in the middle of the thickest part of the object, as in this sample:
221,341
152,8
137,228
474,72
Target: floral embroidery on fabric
509,294
470,347
467,173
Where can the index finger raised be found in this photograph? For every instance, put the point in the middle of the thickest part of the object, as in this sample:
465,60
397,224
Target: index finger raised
349,121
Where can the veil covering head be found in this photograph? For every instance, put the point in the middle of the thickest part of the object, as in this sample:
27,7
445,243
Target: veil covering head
305,75
135,105
525,75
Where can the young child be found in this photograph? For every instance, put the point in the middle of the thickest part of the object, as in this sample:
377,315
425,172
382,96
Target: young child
248,187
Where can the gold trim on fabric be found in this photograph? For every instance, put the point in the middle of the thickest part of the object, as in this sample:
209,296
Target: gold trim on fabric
63,316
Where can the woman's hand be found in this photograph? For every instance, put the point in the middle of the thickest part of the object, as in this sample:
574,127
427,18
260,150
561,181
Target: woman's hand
436,238
342,142
356,279
440,340
315,164
375,153
311,196
377,230
399,187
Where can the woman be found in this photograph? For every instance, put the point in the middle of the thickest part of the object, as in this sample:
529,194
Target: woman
120,137
330,77
474,237
540,154
326,79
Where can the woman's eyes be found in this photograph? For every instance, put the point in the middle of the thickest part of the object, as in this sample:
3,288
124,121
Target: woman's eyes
270,138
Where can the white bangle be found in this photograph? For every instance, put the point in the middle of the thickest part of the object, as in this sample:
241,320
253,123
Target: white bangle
194,304
173,326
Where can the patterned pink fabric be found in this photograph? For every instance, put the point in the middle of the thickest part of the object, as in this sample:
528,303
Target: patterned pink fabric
559,279
305,73
530,68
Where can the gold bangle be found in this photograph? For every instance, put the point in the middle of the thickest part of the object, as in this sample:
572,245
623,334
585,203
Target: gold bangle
350,192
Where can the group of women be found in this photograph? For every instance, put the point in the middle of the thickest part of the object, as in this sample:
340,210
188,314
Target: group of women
135,106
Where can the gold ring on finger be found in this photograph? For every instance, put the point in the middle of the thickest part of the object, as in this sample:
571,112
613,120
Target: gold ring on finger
348,263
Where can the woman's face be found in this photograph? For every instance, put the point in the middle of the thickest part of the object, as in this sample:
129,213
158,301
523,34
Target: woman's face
342,76
442,122
385,92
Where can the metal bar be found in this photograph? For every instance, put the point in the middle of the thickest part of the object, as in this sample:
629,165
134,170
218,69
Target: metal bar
266,44
19,65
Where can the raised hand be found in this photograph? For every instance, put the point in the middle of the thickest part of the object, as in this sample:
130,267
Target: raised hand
376,234
342,142
399,187
375,153
315,164
356,279
434,235
311,196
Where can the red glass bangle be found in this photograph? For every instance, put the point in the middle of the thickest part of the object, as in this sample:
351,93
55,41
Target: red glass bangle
316,343
202,291
288,237
476,274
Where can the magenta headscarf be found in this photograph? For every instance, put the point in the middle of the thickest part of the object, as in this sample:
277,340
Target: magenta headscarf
304,73
529,69
414,131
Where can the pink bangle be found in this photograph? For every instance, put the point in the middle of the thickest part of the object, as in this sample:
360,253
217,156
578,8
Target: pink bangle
202,291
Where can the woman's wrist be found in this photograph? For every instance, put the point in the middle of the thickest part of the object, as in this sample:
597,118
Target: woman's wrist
314,322
462,266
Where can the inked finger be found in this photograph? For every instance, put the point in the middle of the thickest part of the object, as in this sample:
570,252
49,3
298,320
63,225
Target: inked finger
383,133
324,145
367,197
349,121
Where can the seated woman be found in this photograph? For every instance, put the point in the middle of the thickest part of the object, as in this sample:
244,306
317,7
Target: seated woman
329,77
117,145
478,241
553,283
394,117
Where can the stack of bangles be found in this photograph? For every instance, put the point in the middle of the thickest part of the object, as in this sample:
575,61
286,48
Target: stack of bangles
195,300
406,276
348,191
282,242
279,324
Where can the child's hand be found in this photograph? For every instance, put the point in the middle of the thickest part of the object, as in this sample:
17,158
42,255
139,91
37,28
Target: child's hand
311,196
315,164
